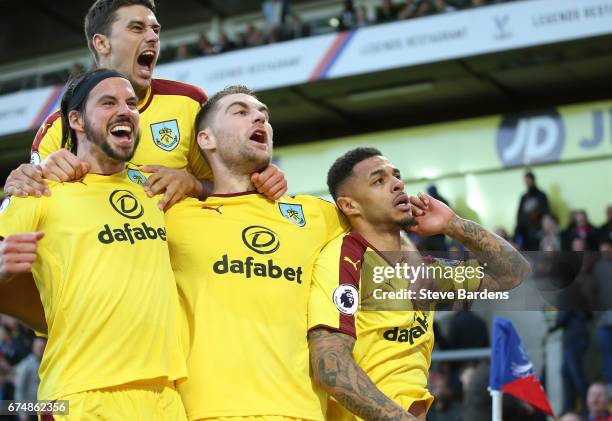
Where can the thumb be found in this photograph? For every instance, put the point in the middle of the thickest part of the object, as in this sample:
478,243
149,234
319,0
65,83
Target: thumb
85,167
255,178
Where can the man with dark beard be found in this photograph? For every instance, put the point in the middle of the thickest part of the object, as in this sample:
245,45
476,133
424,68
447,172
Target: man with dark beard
388,330
97,251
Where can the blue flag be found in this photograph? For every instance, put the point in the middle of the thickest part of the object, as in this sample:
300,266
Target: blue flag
511,370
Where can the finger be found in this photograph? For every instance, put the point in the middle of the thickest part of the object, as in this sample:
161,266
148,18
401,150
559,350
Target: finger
417,203
33,172
159,185
151,168
20,247
424,198
34,188
271,182
172,200
19,257
75,164
256,180
277,192
27,237
68,168
23,267
55,171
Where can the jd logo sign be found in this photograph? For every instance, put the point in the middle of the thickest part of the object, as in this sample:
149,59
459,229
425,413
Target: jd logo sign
530,139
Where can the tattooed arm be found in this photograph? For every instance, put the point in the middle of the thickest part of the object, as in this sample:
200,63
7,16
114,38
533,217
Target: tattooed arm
335,370
505,267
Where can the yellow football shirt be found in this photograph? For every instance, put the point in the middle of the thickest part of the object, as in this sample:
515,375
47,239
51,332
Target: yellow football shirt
106,284
393,340
243,267
167,133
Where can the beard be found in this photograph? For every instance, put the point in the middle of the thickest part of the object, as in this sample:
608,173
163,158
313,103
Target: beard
243,160
406,222
99,139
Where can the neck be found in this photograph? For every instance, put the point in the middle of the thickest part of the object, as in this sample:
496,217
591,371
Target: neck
140,91
228,181
99,162
383,237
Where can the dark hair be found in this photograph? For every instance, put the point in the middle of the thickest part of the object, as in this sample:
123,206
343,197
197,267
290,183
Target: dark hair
343,167
69,139
103,13
202,119
530,175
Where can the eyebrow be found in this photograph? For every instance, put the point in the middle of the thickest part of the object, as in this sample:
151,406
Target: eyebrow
381,171
243,104
155,25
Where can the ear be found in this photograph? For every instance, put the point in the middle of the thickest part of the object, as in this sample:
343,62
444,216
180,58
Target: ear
75,121
348,206
101,44
206,140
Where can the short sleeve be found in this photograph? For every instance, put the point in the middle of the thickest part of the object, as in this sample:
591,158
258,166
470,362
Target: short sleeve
335,222
20,215
334,293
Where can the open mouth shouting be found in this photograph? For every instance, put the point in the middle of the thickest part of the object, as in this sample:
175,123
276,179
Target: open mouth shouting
259,136
123,132
146,63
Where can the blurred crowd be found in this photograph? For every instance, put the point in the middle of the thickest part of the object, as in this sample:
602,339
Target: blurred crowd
20,355
279,23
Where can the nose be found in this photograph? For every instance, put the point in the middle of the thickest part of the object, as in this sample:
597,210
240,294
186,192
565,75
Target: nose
397,185
258,116
151,36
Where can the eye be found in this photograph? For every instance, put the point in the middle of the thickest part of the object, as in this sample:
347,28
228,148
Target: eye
378,180
241,112
399,177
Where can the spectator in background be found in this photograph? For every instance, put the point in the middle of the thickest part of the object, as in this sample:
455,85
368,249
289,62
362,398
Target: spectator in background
409,10
347,19
361,17
605,231
182,52
579,228
274,12
442,6
550,238
532,207
224,43
444,407
571,416
253,37
295,28
386,12
204,46
597,403
425,8
602,300
26,375
7,391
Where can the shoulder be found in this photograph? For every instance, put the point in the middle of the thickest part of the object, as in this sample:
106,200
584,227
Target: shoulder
172,87
52,119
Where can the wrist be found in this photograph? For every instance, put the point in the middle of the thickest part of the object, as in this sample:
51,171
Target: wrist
451,228
197,189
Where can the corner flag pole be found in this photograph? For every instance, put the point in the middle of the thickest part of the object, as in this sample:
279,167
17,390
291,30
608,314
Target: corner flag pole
496,396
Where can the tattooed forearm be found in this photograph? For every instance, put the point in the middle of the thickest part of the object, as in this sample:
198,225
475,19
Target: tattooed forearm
505,266
335,370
